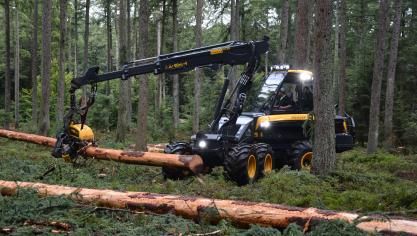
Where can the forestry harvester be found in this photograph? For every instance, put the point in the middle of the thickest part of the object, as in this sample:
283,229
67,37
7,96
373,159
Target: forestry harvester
248,140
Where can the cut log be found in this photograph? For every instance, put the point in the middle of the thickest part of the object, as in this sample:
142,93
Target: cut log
191,162
213,210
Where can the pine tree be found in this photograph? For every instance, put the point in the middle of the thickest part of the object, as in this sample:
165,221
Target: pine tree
123,84
175,79
7,80
109,42
324,134
198,72
392,64
86,45
61,61
377,78
34,64
143,87
17,69
44,120
301,34
282,49
342,57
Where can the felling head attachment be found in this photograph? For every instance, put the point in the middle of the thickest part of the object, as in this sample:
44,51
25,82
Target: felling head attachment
72,143
76,136
83,133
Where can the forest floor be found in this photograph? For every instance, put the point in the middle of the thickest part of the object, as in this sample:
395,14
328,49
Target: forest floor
381,183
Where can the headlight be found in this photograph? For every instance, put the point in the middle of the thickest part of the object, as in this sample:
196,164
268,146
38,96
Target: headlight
202,144
265,124
305,76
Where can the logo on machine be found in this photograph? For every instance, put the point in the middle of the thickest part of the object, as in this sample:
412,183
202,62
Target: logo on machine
218,51
176,65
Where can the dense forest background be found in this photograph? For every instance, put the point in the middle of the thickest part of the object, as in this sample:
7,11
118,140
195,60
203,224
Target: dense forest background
80,34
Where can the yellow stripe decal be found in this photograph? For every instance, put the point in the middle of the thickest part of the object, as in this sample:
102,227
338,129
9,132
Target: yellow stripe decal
282,117
218,51
301,71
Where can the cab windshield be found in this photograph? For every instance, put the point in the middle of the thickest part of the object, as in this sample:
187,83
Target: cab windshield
266,92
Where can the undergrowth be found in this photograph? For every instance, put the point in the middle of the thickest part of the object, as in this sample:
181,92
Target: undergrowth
378,183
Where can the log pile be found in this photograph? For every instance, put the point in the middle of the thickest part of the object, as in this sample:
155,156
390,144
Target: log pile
212,210
191,162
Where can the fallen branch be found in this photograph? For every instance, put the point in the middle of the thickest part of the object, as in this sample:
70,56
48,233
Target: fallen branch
217,232
58,225
240,212
191,162
6,230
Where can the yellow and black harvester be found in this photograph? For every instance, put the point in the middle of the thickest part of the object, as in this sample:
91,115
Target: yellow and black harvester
247,139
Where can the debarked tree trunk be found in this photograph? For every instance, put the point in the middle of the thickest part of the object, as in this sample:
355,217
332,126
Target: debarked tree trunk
212,210
191,162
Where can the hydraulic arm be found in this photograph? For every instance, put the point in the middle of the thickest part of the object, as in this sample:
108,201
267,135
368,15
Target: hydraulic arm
75,135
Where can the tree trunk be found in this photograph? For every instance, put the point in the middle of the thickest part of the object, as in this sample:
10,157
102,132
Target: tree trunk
135,40
191,162
68,39
163,76
234,36
116,39
282,49
324,133
301,34
46,67
336,51
160,44
123,86
310,40
129,28
129,57
175,82
142,133
7,81
342,57
392,64
61,61
198,72
241,213
109,43
377,77
86,44
17,70
158,52
75,37
34,65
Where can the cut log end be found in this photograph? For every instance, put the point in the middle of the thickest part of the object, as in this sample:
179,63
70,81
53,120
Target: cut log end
7,191
193,162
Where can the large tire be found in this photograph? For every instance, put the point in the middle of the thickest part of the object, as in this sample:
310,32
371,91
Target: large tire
301,155
241,164
180,148
265,155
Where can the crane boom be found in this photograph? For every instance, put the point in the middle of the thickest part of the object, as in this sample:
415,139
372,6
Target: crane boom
75,136
229,53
